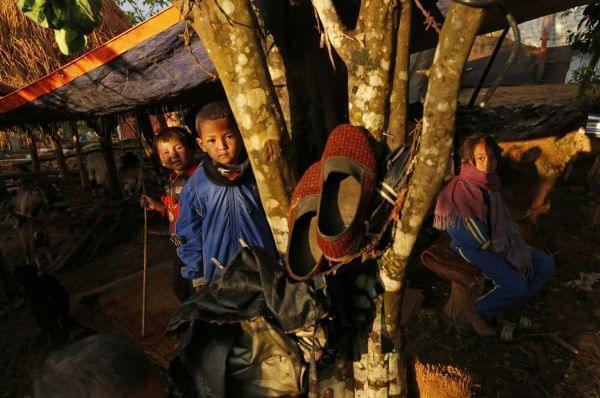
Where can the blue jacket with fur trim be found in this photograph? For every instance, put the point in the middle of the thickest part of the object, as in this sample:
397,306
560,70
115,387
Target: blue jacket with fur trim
215,213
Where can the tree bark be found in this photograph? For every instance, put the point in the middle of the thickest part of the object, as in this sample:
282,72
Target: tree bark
368,51
80,162
58,153
229,32
456,39
399,97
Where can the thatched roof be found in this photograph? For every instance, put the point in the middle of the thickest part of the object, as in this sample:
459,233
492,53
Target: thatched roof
28,51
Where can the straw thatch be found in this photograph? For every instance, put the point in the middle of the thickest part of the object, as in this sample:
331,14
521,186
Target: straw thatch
28,51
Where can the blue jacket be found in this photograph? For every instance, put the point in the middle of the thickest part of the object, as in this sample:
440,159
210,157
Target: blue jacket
215,213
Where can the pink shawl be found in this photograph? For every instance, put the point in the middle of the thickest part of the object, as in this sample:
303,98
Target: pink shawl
463,198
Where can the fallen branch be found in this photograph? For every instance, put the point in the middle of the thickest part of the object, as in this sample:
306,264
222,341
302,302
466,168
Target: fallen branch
554,337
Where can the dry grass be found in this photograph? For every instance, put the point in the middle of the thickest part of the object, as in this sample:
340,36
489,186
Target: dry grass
439,381
28,51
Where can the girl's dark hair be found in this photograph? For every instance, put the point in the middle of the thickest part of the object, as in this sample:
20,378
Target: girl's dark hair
468,147
174,133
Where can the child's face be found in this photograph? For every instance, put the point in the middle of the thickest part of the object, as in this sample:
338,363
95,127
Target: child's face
174,155
220,141
485,159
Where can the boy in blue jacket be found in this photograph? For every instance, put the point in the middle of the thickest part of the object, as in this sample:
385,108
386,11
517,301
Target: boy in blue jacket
219,204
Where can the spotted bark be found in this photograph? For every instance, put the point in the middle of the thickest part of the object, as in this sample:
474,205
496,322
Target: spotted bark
229,34
229,31
368,51
396,131
456,39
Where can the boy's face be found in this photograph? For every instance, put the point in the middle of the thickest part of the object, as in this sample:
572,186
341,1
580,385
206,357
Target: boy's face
220,141
174,155
485,159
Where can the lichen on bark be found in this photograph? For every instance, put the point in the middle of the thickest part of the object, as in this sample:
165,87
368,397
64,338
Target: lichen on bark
367,50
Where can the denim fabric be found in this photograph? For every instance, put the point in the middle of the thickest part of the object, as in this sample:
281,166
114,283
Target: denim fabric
511,289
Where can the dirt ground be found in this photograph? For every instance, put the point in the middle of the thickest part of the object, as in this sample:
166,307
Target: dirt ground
533,365
24,348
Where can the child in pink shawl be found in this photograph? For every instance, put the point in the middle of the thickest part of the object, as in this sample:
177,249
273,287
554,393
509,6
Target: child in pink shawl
470,208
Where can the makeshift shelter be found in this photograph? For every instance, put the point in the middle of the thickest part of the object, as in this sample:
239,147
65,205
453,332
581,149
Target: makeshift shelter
147,66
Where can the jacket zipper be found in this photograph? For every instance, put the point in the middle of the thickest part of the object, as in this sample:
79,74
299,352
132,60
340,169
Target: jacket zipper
233,216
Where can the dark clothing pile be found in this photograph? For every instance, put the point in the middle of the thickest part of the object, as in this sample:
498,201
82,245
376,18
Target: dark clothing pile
235,332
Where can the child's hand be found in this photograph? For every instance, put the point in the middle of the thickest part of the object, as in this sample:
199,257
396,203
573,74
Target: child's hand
150,203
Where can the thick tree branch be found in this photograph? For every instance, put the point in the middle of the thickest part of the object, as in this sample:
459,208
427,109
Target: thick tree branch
384,368
338,35
399,97
367,52
229,32
456,39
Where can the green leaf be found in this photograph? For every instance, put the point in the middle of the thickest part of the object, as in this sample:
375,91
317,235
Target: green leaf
69,41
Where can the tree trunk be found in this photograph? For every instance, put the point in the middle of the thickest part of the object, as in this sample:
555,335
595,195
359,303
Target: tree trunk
58,153
229,32
456,39
35,160
80,162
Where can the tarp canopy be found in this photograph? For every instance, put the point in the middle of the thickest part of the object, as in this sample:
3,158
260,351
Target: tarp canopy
149,65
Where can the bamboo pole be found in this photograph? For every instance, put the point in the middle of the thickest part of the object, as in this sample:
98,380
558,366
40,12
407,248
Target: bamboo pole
80,162
60,157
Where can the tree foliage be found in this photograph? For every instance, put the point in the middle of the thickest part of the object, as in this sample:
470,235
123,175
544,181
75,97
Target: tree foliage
587,37
587,40
139,10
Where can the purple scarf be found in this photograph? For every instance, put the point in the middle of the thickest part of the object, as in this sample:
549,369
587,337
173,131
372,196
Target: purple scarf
463,198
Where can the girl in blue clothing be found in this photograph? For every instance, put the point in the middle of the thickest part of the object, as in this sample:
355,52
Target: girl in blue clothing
219,206
470,208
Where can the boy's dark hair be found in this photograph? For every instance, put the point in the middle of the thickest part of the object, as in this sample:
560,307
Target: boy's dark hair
100,365
468,146
174,133
213,111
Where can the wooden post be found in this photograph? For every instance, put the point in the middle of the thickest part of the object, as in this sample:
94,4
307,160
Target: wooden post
145,127
80,162
35,160
58,153
546,22
104,128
